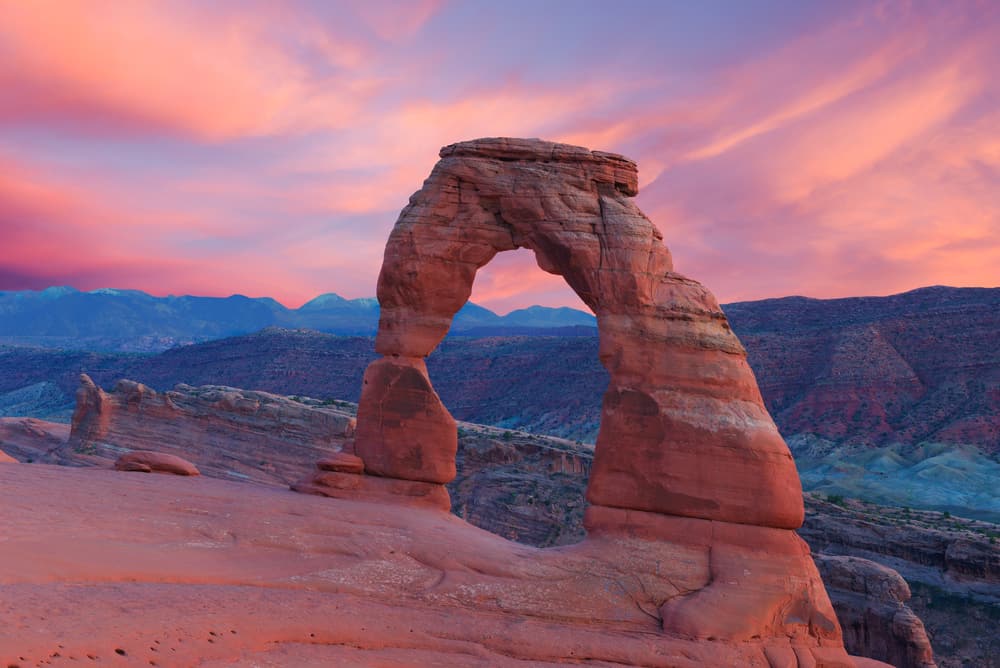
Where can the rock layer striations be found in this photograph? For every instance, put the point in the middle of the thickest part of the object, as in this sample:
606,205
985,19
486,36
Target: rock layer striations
683,429
687,456
226,432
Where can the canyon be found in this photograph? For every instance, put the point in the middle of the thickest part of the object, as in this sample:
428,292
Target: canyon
925,443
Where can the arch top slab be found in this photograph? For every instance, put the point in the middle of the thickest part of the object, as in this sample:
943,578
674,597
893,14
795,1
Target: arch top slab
683,427
570,205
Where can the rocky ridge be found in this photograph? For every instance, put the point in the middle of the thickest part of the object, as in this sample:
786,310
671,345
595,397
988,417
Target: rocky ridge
230,433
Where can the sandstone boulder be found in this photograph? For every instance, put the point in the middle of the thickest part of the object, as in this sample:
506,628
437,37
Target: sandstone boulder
155,462
342,462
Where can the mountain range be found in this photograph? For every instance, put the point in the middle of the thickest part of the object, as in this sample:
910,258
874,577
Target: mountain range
133,321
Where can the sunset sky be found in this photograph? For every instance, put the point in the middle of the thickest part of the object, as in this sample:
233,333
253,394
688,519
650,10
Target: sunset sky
823,149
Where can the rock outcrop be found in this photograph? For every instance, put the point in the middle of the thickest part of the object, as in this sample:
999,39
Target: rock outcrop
31,440
226,432
951,564
687,457
871,605
6,459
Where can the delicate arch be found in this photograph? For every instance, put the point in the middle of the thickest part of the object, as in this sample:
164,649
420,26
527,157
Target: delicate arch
683,427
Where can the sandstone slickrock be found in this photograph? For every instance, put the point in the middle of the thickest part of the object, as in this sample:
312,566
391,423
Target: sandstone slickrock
529,488
871,604
31,440
224,431
687,457
202,571
520,486
6,459
155,462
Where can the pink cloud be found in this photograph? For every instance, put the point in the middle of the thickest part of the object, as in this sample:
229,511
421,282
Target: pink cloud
858,178
157,67
503,283
860,156
393,20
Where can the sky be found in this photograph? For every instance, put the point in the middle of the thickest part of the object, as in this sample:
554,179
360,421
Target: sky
825,149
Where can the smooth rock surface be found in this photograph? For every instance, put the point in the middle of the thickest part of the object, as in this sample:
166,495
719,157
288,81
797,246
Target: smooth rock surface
199,571
155,462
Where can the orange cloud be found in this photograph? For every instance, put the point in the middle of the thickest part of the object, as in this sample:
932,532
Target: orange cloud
858,155
158,66
870,176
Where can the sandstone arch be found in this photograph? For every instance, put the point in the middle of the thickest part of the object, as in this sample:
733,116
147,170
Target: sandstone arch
683,428
693,492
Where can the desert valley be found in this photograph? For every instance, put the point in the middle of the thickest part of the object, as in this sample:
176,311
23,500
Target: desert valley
459,333
891,410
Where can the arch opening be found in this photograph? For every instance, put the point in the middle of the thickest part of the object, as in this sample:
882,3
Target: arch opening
534,461
512,281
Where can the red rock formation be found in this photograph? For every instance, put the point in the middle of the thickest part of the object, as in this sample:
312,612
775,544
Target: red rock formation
871,600
342,462
145,461
225,431
684,430
687,458
31,440
6,459
403,413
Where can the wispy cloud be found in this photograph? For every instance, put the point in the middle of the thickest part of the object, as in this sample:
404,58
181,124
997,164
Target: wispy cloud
266,149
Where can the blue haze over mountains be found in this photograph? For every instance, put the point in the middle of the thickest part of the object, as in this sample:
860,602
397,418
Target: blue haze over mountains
133,321
893,399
